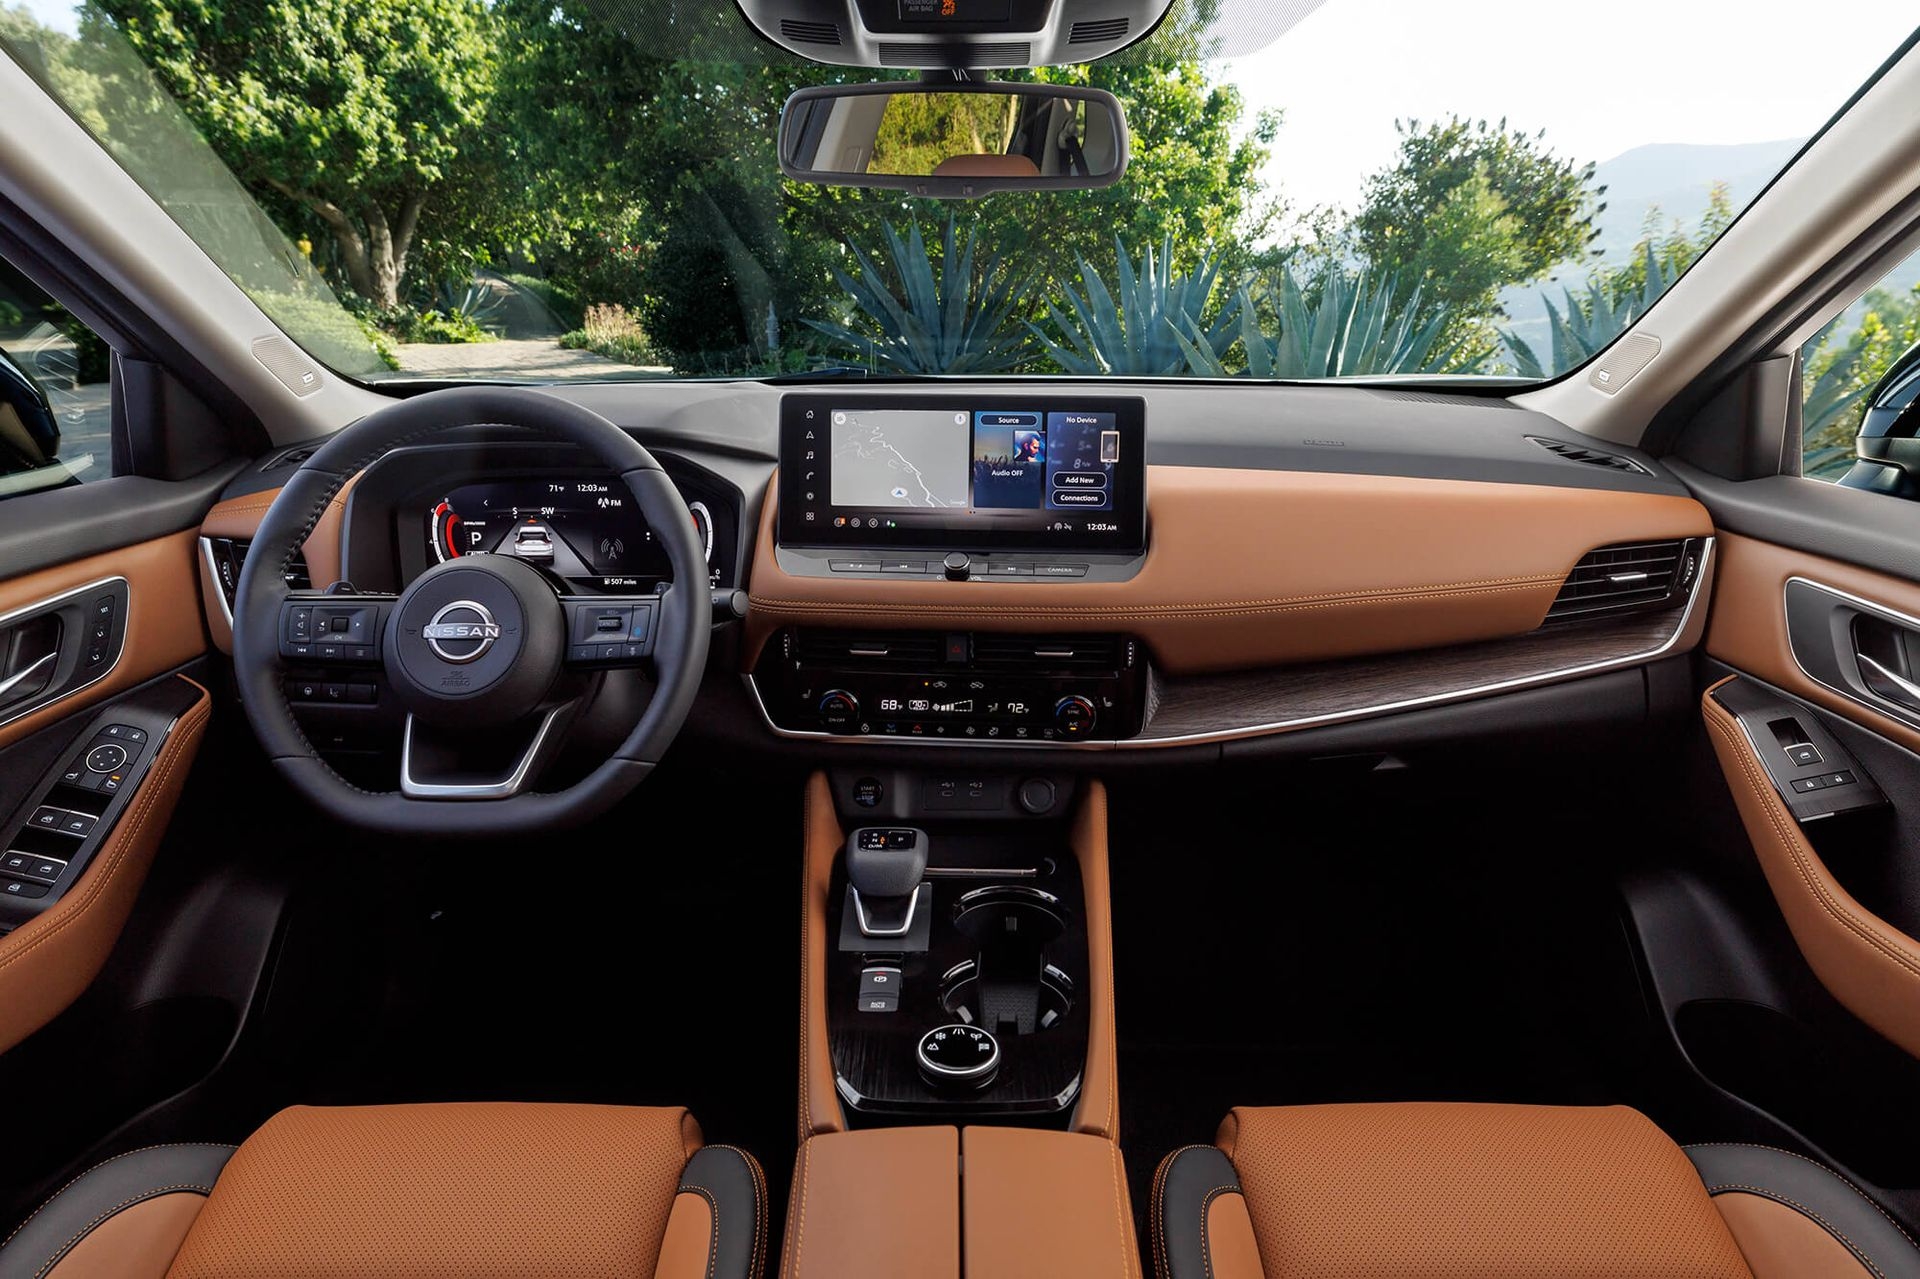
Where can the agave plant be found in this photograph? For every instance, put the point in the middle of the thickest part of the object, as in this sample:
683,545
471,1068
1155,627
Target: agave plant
1357,326
1830,418
923,319
475,302
1138,330
1591,320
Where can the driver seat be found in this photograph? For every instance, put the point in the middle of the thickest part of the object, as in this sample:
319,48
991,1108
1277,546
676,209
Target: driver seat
455,1191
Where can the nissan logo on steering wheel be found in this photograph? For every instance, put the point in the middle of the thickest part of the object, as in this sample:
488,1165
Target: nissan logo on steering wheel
461,632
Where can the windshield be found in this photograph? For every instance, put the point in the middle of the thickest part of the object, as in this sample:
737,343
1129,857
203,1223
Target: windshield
589,189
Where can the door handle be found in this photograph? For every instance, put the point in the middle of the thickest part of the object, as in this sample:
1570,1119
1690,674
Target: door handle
1879,679
26,673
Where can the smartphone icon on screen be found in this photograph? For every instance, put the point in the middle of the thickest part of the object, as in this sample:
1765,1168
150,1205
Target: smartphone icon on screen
1109,446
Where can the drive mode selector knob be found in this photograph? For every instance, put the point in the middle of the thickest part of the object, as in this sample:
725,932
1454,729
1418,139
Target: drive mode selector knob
839,708
1074,716
958,1056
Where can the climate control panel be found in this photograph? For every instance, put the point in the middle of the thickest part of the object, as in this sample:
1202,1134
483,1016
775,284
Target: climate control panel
942,685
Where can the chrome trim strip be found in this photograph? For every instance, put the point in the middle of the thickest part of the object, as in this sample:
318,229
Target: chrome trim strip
53,602
866,927
213,571
502,789
20,676
1890,710
1686,634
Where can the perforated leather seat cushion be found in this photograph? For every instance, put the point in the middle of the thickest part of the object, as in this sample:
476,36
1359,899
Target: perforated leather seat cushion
445,1192
1441,1191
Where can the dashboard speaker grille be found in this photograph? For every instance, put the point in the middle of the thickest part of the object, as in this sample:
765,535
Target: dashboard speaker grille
1009,53
1619,579
295,372
1617,367
1100,31
809,32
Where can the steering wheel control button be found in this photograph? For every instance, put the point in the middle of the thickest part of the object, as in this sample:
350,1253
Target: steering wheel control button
958,566
958,1056
107,758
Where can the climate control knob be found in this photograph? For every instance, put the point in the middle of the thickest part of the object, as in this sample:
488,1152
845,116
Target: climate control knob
1074,716
839,708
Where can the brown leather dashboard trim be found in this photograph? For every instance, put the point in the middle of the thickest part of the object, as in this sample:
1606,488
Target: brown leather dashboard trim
819,1100
48,961
1748,626
1870,966
163,630
240,517
1097,1111
1260,568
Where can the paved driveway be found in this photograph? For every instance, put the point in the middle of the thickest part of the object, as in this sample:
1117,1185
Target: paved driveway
535,359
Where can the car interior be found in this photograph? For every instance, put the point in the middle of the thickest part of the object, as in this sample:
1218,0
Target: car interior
1373,821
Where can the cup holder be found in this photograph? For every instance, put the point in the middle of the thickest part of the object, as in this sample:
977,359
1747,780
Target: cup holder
1010,916
1006,1008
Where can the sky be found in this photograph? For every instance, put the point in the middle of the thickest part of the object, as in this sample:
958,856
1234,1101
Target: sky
1694,71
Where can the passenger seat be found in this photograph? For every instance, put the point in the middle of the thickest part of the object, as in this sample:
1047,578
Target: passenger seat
1425,1190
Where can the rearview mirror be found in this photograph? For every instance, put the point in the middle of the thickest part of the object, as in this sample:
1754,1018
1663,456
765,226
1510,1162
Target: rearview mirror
964,140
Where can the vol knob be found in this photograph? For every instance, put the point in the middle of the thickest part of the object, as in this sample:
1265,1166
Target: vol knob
957,565
839,708
1074,716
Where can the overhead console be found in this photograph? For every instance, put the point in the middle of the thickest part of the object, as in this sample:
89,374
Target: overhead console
969,34
1039,488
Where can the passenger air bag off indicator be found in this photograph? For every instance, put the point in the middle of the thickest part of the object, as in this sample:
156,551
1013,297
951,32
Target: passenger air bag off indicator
956,10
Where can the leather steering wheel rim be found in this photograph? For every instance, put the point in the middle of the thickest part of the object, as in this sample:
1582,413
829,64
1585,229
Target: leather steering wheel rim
679,652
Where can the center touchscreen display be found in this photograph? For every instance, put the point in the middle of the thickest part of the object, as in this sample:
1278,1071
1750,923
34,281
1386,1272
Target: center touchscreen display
1042,473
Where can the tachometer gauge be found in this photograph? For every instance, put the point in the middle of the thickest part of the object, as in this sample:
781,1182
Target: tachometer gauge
445,533
703,526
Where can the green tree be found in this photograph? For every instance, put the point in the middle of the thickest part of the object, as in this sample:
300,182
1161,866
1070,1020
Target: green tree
1838,374
1468,208
358,111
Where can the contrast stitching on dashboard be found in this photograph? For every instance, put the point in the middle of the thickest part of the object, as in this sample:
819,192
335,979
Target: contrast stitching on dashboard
1804,1211
1176,612
155,1193
78,1178
93,884
1831,1171
1722,721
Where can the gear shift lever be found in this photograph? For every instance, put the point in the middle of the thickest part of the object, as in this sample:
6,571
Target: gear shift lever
885,865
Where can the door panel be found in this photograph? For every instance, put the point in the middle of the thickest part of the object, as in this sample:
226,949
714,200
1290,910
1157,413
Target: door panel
162,627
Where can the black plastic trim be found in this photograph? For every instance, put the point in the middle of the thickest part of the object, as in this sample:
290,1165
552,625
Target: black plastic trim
40,530
1871,530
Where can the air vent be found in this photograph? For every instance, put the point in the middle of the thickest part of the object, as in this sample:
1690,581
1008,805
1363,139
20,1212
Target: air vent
895,53
1619,579
891,650
1589,456
1099,32
229,555
1038,654
809,32
292,457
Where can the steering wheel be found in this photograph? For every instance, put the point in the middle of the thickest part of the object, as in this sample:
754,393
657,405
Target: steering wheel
482,652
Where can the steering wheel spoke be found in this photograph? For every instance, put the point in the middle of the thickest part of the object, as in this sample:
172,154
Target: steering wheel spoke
439,764
607,631
334,629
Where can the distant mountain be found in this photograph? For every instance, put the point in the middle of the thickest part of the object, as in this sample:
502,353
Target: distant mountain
1674,177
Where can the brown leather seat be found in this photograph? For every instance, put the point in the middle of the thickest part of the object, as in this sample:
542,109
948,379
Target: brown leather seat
1424,1190
464,1191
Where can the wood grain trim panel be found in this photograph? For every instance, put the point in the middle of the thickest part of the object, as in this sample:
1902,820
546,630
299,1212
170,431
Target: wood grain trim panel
1870,966
1262,568
1212,705
163,627
240,517
1748,626
48,961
